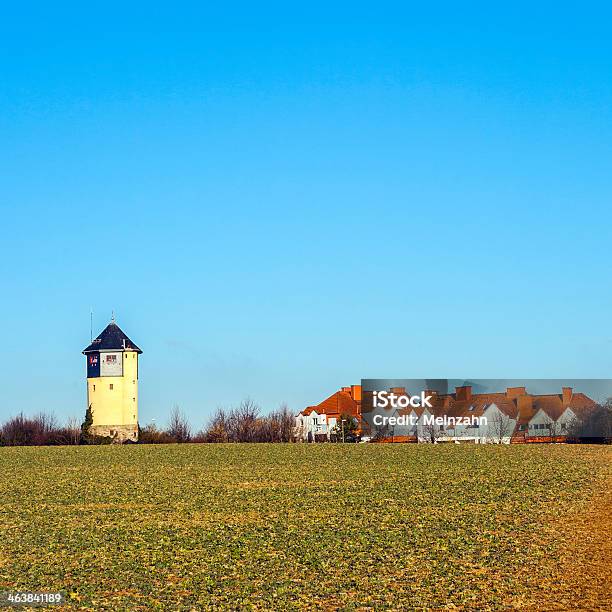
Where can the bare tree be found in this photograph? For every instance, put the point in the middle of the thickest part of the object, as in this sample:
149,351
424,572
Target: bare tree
242,421
73,427
46,422
280,424
179,427
595,426
431,432
499,426
552,429
217,428
298,432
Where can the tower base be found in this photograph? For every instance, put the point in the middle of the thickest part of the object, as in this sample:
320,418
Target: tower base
118,433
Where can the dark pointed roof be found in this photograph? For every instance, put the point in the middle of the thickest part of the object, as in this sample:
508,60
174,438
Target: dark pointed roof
112,338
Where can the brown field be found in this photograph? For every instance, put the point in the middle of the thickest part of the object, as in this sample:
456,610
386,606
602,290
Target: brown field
309,526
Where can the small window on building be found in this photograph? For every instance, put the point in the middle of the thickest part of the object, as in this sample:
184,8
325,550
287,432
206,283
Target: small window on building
471,408
111,386
133,399
94,387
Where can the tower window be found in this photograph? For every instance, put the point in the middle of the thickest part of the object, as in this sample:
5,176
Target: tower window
94,387
110,386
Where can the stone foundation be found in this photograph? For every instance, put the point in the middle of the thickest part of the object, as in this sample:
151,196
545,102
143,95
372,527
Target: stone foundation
119,433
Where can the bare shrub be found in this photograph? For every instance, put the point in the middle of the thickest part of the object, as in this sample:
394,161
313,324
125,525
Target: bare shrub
24,431
179,428
149,434
243,423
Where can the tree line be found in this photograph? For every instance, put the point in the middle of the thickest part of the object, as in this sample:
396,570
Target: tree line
42,429
243,423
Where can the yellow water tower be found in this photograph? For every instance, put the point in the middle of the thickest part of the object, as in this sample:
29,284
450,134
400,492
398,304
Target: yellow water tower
112,384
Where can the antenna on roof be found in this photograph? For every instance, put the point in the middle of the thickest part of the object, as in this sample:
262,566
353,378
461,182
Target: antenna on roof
112,316
91,324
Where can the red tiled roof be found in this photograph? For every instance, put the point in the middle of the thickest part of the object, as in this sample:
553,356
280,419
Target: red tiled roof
553,406
339,403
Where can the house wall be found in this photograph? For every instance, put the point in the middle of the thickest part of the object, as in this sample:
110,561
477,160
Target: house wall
539,418
490,433
565,421
315,424
404,430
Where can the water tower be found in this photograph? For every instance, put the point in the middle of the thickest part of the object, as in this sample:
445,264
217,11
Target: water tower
112,384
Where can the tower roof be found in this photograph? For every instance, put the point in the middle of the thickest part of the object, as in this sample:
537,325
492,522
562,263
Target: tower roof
112,338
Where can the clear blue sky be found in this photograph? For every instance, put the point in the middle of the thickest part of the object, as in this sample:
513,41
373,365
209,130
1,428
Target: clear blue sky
280,202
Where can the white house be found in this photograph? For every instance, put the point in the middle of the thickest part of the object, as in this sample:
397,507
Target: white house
544,424
309,424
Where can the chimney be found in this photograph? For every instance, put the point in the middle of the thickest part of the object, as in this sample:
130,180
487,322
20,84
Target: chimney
463,393
567,396
356,392
398,390
512,392
525,407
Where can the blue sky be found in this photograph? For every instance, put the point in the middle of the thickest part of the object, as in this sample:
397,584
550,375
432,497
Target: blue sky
279,202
